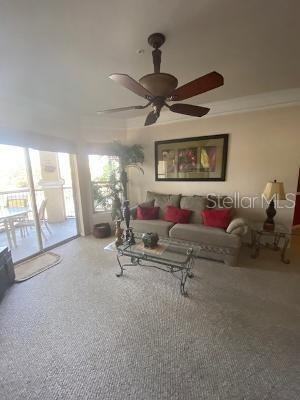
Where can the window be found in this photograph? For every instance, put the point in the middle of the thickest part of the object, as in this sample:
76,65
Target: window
105,180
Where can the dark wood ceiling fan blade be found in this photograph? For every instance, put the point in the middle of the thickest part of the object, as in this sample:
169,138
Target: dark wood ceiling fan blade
131,84
200,85
151,118
113,110
189,109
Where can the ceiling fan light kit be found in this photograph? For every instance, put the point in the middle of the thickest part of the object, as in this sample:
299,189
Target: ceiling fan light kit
159,84
159,87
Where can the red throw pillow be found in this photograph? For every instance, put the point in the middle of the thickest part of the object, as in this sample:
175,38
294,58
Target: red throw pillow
177,215
146,204
217,218
147,212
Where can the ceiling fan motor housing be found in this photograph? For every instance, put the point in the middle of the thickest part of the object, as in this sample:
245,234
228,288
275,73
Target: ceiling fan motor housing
156,40
159,84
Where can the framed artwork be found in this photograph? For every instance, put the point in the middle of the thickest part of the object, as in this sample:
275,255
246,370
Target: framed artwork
168,157
202,158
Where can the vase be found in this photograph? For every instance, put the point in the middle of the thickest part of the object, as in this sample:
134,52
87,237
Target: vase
150,239
119,233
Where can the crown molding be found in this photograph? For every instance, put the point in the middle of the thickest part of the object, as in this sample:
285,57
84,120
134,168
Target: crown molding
262,101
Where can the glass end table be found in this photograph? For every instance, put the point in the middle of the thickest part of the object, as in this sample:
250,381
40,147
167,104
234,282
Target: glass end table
280,234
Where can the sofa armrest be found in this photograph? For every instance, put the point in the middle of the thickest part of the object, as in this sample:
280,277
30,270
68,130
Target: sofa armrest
237,226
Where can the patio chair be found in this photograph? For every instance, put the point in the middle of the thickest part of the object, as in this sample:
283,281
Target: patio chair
43,221
5,228
21,222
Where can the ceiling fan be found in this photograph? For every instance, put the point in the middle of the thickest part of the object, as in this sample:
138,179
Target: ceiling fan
159,88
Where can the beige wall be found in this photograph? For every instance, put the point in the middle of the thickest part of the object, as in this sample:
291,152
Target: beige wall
263,145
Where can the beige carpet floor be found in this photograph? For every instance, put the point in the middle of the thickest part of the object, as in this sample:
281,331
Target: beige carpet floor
78,332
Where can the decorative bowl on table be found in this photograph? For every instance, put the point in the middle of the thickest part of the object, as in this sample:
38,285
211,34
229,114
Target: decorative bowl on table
150,240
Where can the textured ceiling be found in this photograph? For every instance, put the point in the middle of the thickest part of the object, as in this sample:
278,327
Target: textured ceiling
60,52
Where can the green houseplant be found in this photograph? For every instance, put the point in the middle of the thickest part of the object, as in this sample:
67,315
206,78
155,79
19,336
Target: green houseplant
130,157
108,197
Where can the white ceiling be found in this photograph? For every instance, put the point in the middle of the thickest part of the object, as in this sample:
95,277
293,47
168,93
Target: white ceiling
60,52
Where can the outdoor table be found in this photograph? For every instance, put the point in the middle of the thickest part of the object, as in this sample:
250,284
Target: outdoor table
7,217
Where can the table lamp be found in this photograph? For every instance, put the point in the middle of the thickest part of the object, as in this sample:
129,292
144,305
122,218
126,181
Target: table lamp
273,191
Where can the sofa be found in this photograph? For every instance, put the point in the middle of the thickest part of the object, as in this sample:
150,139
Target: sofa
207,242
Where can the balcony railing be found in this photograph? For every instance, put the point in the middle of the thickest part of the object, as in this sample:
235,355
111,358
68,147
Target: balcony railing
21,198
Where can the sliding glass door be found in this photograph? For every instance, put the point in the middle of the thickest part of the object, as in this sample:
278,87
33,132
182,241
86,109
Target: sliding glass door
52,181
37,207
17,224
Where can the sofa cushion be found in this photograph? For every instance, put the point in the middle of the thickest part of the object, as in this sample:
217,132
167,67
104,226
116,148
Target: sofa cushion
218,217
196,204
177,215
163,200
146,204
147,213
155,225
200,233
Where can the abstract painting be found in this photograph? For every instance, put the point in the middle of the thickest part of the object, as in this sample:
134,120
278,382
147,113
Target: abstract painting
208,158
187,160
201,158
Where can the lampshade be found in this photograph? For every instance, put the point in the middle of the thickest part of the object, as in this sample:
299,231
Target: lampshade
274,190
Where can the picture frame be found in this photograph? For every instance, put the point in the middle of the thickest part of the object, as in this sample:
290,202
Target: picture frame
202,158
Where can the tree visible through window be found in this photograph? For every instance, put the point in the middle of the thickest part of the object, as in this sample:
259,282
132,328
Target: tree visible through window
105,179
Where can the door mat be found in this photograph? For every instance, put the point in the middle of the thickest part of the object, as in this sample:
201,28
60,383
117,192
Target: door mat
36,265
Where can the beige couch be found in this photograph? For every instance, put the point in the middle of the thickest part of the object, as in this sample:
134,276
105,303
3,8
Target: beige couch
207,242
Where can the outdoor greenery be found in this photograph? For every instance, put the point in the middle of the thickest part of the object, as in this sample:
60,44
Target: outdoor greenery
111,186
107,195
130,157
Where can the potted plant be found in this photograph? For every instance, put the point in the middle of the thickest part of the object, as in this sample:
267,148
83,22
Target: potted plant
108,196
130,157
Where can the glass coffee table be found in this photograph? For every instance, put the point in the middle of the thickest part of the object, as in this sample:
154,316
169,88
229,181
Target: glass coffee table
167,256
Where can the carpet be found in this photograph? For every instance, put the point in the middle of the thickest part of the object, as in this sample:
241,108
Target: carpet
78,332
36,265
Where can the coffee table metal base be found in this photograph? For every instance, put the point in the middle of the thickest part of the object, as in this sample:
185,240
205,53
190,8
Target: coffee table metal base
183,272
